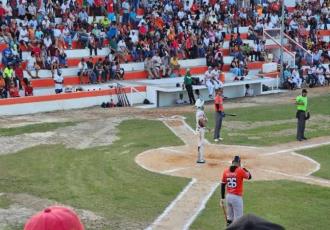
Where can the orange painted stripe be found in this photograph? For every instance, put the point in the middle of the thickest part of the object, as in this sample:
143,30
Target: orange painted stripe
255,65
320,33
66,96
243,36
135,75
49,82
324,32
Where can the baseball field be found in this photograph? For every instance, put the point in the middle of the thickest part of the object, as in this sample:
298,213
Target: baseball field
130,168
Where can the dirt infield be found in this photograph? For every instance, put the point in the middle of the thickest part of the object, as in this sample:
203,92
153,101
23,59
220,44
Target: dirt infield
265,163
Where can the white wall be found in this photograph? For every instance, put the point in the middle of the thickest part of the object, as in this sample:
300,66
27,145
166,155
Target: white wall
67,104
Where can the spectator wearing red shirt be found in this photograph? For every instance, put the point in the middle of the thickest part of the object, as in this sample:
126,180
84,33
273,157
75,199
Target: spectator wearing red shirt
2,11
13,91
36,50
28,90
143,30
219,114
19,75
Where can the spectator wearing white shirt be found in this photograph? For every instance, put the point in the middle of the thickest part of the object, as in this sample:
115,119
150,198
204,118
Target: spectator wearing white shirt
157,62
83,16
24,36
47,41
45,23
296,77
274,18
320,75
32,66
58,80
32,9
67,36
57,32
134,35
65,5
125,6
33,23
21,10
83,70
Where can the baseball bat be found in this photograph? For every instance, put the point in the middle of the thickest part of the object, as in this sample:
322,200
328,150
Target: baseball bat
128,103
121,96
231,114
125,97
118,96
224,212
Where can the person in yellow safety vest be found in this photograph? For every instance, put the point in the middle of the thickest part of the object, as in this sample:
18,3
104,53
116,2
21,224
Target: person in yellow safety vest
301,103
8,75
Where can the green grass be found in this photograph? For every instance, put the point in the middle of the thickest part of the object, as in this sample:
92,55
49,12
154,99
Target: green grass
34,128
105,180
295,206
321,155
269,132
4,202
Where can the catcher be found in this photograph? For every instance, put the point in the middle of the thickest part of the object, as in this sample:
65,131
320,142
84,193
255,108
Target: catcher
201,121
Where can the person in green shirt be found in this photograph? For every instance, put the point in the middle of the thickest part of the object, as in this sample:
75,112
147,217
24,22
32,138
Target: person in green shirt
187,83
301,103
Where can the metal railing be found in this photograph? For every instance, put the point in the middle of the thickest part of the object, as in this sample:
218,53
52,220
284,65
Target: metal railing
267,35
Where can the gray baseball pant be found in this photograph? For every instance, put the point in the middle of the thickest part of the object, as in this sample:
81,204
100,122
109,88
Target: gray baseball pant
234,206
218,124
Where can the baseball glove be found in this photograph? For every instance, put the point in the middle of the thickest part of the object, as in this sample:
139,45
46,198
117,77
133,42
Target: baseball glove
202,123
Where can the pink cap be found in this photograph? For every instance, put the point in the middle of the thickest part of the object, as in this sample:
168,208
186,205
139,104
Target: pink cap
54,218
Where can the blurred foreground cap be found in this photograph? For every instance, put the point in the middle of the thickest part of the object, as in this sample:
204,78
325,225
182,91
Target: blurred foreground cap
251,221
54,218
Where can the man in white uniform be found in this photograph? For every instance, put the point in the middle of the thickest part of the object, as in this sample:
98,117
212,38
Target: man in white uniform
208,81
201,121
216,78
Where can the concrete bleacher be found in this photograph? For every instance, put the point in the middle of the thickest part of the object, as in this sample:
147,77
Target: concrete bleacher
132,71
161,92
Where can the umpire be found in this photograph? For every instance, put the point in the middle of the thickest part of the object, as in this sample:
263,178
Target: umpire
187,82
301,102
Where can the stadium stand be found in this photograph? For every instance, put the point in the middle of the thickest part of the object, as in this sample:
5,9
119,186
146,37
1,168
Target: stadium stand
116,37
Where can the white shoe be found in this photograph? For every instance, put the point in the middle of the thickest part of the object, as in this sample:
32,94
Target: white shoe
221,139
216,140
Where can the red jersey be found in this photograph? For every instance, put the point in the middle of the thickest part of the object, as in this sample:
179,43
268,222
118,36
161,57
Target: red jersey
37,51
2,12
19,73
28,90
13,92
234,180
218,101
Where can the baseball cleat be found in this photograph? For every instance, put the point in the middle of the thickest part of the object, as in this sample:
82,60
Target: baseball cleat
200,162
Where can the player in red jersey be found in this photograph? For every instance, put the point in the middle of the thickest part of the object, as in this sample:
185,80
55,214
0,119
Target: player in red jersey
232,179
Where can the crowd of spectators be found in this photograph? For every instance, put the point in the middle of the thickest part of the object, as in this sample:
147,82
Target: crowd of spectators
156,32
